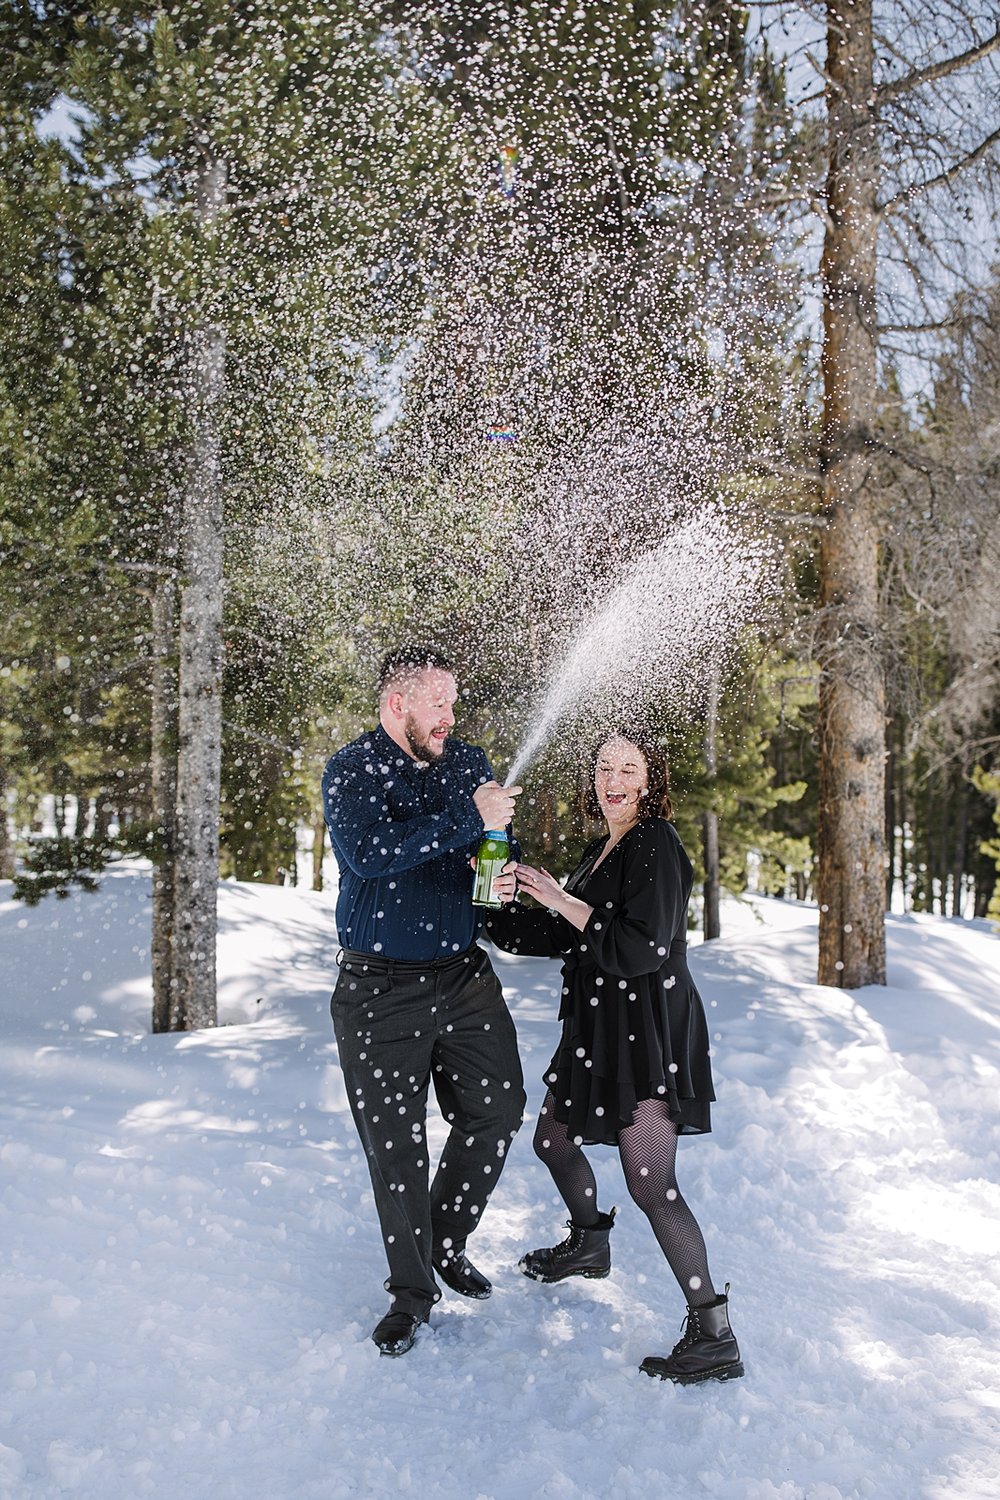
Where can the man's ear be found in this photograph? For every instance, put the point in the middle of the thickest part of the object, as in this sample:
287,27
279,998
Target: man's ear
394,703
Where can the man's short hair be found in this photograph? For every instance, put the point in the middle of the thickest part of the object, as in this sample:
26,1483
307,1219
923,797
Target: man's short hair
407,661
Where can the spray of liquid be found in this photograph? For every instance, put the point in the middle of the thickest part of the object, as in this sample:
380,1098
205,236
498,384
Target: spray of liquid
657,633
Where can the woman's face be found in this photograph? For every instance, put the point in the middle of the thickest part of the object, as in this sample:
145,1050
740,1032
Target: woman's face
621,780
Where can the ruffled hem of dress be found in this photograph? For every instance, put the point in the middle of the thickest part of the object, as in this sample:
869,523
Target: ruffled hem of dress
599,1108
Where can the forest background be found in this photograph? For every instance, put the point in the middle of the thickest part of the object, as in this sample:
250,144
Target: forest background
325,328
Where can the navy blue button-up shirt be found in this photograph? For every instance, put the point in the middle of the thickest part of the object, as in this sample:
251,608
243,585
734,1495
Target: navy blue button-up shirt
403,833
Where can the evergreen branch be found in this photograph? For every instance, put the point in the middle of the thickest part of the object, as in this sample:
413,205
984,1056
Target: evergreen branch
941,178
133,567
919,76
260,739
117,565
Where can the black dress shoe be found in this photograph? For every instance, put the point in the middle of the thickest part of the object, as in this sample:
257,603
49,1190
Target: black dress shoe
397,1331
457,1271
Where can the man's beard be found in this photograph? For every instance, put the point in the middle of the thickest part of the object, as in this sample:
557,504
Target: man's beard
423,749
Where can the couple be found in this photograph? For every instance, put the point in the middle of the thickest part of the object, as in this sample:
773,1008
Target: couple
417,1000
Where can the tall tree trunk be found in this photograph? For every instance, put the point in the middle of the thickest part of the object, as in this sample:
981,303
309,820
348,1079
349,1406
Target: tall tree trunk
942,853
200,672
82,813
104,816
890,817
850,841
901,818
319,845
163,776
961,845
6,842
710,819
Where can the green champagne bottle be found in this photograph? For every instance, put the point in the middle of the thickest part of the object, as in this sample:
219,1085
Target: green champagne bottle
494,852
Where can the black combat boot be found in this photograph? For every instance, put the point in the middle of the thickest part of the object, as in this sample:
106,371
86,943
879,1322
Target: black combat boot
707,1351
585,1252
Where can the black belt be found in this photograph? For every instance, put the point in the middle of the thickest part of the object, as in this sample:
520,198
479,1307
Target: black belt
376,963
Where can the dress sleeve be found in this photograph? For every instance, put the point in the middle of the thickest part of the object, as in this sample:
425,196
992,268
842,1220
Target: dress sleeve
631,935
533,931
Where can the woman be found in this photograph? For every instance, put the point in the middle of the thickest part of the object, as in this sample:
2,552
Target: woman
632,1066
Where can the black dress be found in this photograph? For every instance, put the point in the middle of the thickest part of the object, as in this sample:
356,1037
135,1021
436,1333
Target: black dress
633,1022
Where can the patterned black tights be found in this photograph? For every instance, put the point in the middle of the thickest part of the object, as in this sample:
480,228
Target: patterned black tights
648,1151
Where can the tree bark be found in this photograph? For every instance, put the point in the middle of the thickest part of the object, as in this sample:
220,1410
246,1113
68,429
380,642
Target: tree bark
961,845
319,843
163,776
710,821
890,817
851,725
200,663
6,842
82,813
104,815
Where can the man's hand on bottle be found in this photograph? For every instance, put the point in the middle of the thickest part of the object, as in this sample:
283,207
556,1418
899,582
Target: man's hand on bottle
504,884
495,803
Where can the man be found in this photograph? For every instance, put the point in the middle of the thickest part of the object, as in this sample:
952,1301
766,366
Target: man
417,999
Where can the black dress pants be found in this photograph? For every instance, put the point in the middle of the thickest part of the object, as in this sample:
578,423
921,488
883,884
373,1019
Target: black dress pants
400,1025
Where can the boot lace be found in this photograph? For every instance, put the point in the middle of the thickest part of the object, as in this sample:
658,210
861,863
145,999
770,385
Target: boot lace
690,1331
569,1244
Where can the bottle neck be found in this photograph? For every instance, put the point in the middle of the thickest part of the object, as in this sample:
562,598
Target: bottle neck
496,833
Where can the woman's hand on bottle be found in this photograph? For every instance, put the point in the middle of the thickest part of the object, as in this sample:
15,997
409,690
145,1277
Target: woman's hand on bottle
546,889
538,883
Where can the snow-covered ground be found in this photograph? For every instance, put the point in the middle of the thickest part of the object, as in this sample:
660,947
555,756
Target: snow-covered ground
191,1268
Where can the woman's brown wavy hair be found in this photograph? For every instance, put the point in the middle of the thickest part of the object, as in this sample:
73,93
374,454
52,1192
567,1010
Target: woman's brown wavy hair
656,803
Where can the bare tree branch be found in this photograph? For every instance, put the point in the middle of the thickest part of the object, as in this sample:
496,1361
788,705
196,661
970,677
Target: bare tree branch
818,67
911,460
801,474
913,80
942,177
779,198
934,326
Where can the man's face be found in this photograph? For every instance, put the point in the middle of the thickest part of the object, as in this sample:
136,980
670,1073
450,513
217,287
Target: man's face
427,710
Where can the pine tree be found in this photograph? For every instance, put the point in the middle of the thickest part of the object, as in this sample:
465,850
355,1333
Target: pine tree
232,153
896,147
